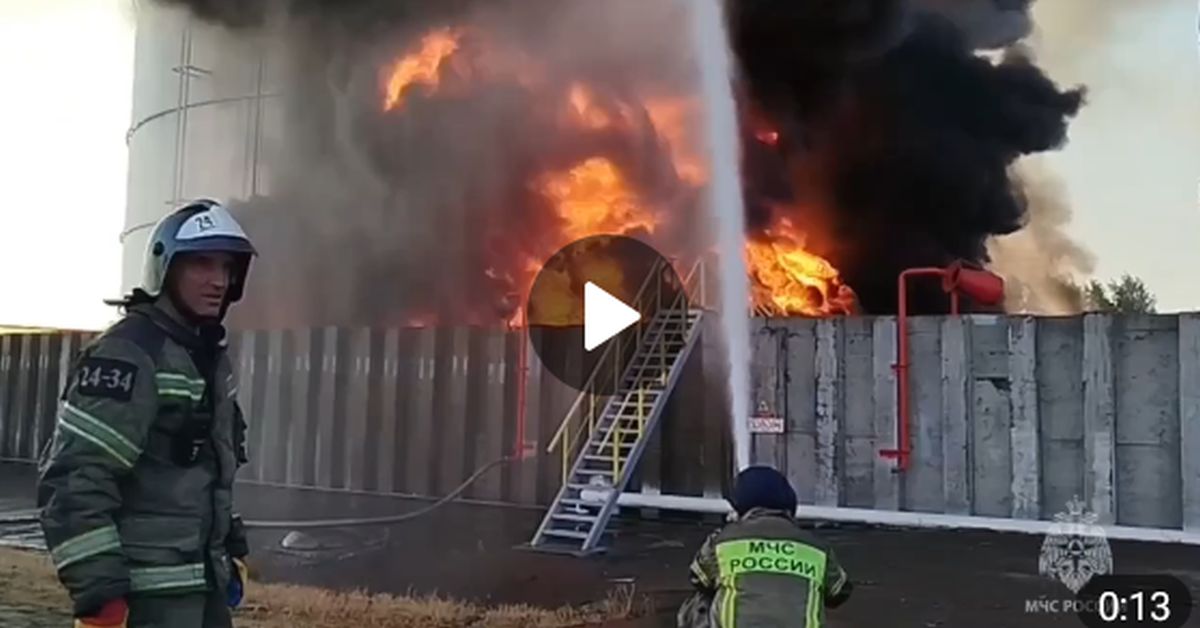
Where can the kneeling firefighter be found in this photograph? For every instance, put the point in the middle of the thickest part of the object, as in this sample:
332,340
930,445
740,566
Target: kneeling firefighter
763,570
136,486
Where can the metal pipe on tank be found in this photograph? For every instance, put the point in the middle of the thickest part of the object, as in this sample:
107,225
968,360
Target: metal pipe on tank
980,285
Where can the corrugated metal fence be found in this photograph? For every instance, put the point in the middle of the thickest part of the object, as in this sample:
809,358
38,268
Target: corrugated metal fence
33,367
411,411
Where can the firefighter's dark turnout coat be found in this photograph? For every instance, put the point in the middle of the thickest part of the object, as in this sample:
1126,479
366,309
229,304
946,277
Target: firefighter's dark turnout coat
136,485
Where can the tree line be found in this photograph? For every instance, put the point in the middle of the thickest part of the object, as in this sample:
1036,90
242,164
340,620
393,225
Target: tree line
1127,295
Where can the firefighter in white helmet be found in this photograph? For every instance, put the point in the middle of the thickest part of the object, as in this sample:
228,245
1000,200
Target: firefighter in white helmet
136,486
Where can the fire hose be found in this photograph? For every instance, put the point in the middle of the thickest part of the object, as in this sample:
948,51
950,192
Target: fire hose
371,521
336,523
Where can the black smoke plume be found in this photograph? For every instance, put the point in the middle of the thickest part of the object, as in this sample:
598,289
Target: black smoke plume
894,136
894,140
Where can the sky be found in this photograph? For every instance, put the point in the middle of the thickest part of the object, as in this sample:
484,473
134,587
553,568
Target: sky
67,71
1131,170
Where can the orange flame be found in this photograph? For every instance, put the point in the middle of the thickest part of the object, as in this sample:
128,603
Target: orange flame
422,66
595,197
788,280
583,105
770,138
592,198
672,119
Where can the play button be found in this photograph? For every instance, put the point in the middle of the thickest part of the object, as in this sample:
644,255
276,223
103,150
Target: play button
593,303
604,316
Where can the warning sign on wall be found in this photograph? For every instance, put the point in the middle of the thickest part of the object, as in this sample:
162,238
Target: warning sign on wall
766,425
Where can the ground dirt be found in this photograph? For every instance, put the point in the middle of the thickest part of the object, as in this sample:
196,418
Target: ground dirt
918,578
31,593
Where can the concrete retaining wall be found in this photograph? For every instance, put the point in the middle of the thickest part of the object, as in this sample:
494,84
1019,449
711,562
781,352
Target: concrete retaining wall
1011,417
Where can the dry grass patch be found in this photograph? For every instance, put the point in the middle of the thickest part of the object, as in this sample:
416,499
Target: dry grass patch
29,577
284,605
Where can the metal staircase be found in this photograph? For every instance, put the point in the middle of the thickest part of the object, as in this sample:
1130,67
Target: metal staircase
607,445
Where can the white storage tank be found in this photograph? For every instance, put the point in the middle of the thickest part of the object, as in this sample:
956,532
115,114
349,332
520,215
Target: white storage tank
200,105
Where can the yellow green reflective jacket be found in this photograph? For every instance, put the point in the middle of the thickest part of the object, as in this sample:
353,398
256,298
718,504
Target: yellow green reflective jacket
765,571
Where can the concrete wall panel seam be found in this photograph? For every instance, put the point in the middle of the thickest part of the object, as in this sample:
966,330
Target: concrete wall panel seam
800,411
888,487
955,417
1189,417
1099,418
828,414
1026,459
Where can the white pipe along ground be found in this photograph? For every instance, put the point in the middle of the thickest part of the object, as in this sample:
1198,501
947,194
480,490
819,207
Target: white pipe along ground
909,519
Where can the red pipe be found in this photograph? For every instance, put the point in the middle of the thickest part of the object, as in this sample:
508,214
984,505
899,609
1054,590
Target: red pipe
522,375
903,438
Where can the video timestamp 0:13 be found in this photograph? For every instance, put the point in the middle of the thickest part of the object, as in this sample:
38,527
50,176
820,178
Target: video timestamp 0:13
1134,600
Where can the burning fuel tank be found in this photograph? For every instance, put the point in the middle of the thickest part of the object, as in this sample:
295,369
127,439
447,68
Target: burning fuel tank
415,163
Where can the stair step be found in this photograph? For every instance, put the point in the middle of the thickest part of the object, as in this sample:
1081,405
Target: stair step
630,410
641,363
630,399
607,445
601,436
605,459
629,383
622,442
597,471
571,501
567,534
606,472
626,408
649,370
569,517
643,370
623,452
586,487
629,395
603,441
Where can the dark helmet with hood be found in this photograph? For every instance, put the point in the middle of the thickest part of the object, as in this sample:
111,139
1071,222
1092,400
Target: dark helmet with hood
763,487
202,226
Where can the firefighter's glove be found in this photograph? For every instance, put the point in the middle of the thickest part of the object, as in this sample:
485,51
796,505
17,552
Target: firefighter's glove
113,614
237,583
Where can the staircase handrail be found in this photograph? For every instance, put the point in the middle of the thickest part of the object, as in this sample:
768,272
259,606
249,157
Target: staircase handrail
591,381
682,296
